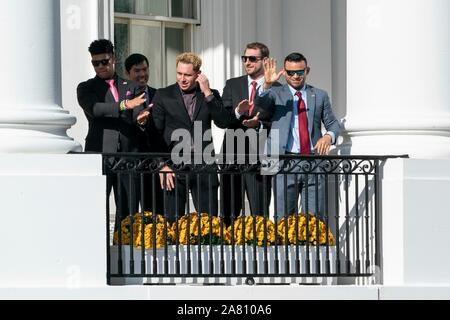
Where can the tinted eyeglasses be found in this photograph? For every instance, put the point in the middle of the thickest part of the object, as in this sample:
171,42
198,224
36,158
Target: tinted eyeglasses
300,73
250,58
103,62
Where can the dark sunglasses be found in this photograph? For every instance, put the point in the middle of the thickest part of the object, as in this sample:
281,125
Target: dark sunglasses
103,62
250,58
300,73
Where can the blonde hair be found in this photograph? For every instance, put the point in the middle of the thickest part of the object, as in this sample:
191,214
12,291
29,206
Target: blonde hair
190,58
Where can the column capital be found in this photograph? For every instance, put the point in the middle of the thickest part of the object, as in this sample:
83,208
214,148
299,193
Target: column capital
397,78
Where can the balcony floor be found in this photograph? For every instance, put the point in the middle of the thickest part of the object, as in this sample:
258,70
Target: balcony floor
291,292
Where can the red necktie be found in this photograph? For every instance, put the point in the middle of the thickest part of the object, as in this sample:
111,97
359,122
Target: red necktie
305,144
252,97
113,89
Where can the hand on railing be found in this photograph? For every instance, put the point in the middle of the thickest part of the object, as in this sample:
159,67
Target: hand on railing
323,145
166,177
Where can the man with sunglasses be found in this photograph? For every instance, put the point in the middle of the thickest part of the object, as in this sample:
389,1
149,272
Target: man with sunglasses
111,105
299,110
240,98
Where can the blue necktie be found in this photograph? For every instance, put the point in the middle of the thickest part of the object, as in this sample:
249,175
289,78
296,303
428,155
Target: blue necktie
147,100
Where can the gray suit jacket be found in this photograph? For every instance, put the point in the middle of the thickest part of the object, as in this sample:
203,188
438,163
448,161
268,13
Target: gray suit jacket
279,99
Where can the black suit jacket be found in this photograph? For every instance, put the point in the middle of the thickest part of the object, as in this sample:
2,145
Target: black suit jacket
169,113
151,138
151,94
236,90
107,124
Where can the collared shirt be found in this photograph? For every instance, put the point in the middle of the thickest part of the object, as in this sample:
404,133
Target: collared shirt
190,100
259,83
293,144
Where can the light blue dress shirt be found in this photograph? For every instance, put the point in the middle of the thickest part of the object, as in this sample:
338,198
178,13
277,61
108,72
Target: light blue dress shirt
293,144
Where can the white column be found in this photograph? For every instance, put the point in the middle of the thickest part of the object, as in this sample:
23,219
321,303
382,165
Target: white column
31,120
398,77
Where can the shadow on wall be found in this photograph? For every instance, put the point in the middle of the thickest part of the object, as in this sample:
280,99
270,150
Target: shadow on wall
352,218
344,142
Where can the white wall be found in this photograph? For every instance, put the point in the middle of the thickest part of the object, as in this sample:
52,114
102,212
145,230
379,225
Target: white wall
339,56
225,28
53,221
416,220
307,29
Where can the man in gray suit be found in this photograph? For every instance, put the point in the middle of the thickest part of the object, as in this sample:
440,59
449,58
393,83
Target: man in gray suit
299,110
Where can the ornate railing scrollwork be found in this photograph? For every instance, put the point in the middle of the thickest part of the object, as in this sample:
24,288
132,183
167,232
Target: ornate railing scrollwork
150,163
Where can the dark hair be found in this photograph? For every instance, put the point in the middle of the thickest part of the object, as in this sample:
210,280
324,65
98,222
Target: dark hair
134,59
295,57
101,46
261,46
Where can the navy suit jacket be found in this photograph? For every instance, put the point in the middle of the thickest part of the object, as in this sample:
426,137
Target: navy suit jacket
152,140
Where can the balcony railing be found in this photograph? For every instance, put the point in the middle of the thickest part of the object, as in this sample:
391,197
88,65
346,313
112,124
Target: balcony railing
156,242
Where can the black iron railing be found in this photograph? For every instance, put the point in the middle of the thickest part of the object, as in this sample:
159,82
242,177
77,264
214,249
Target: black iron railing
333,232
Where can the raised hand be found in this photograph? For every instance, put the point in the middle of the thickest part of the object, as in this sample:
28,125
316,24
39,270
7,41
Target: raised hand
203,82
270,72
251,123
